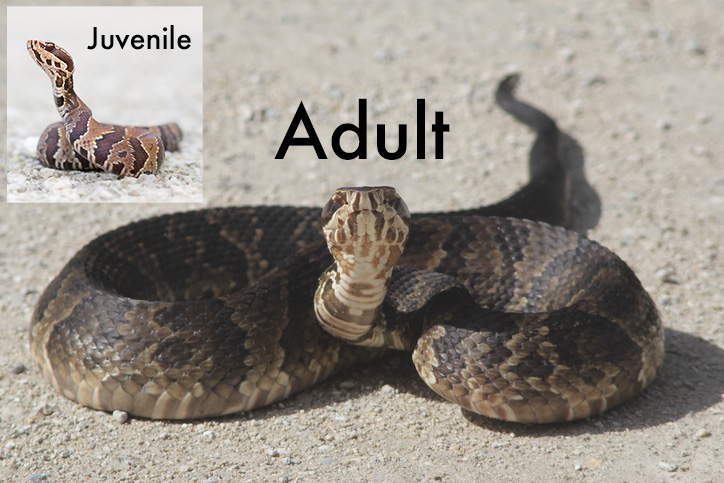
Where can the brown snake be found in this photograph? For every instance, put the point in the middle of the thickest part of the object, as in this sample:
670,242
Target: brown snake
223,310
82,143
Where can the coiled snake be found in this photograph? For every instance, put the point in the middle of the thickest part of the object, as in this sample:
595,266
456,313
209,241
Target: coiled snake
223,310
80,142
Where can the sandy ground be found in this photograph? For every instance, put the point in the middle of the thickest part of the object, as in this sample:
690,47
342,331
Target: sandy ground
638,84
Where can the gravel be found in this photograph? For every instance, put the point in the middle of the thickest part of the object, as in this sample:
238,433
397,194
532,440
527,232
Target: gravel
180,180
614,74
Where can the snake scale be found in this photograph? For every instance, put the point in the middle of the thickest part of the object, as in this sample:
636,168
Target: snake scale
222,310
82,143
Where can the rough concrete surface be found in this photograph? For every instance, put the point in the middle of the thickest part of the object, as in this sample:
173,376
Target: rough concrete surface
638,84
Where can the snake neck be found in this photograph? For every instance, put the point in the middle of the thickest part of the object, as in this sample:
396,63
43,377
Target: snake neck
348,300
66,100
348,305
78,123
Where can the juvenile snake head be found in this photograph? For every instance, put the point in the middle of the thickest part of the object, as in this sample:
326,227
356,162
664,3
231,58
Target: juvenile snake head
53,59
366,228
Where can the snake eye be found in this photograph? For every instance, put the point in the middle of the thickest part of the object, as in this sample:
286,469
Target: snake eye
330,209
399,205
49,46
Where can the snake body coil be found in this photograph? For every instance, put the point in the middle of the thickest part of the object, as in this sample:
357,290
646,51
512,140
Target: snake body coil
82,143
223,310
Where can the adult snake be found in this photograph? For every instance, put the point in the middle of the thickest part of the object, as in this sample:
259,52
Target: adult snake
222,310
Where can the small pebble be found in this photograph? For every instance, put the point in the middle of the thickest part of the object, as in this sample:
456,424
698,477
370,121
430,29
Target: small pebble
694,46
120,416
567,54
37,478
701,434
667,467
45,409
663,124
594,79
58,184
347,384
384,55
700,150
18,368
666,275
704,118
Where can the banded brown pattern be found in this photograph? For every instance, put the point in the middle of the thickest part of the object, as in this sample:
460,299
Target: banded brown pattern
80,142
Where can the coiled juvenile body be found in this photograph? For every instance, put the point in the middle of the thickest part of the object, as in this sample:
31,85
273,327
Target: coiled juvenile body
82,143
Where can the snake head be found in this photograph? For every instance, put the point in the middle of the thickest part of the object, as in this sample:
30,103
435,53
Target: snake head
366,225
53,59
366,230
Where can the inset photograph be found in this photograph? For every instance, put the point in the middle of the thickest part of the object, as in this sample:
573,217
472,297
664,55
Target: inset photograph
110,110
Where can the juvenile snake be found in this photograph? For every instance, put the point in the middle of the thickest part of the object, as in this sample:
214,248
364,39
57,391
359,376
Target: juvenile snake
82,143
222,310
